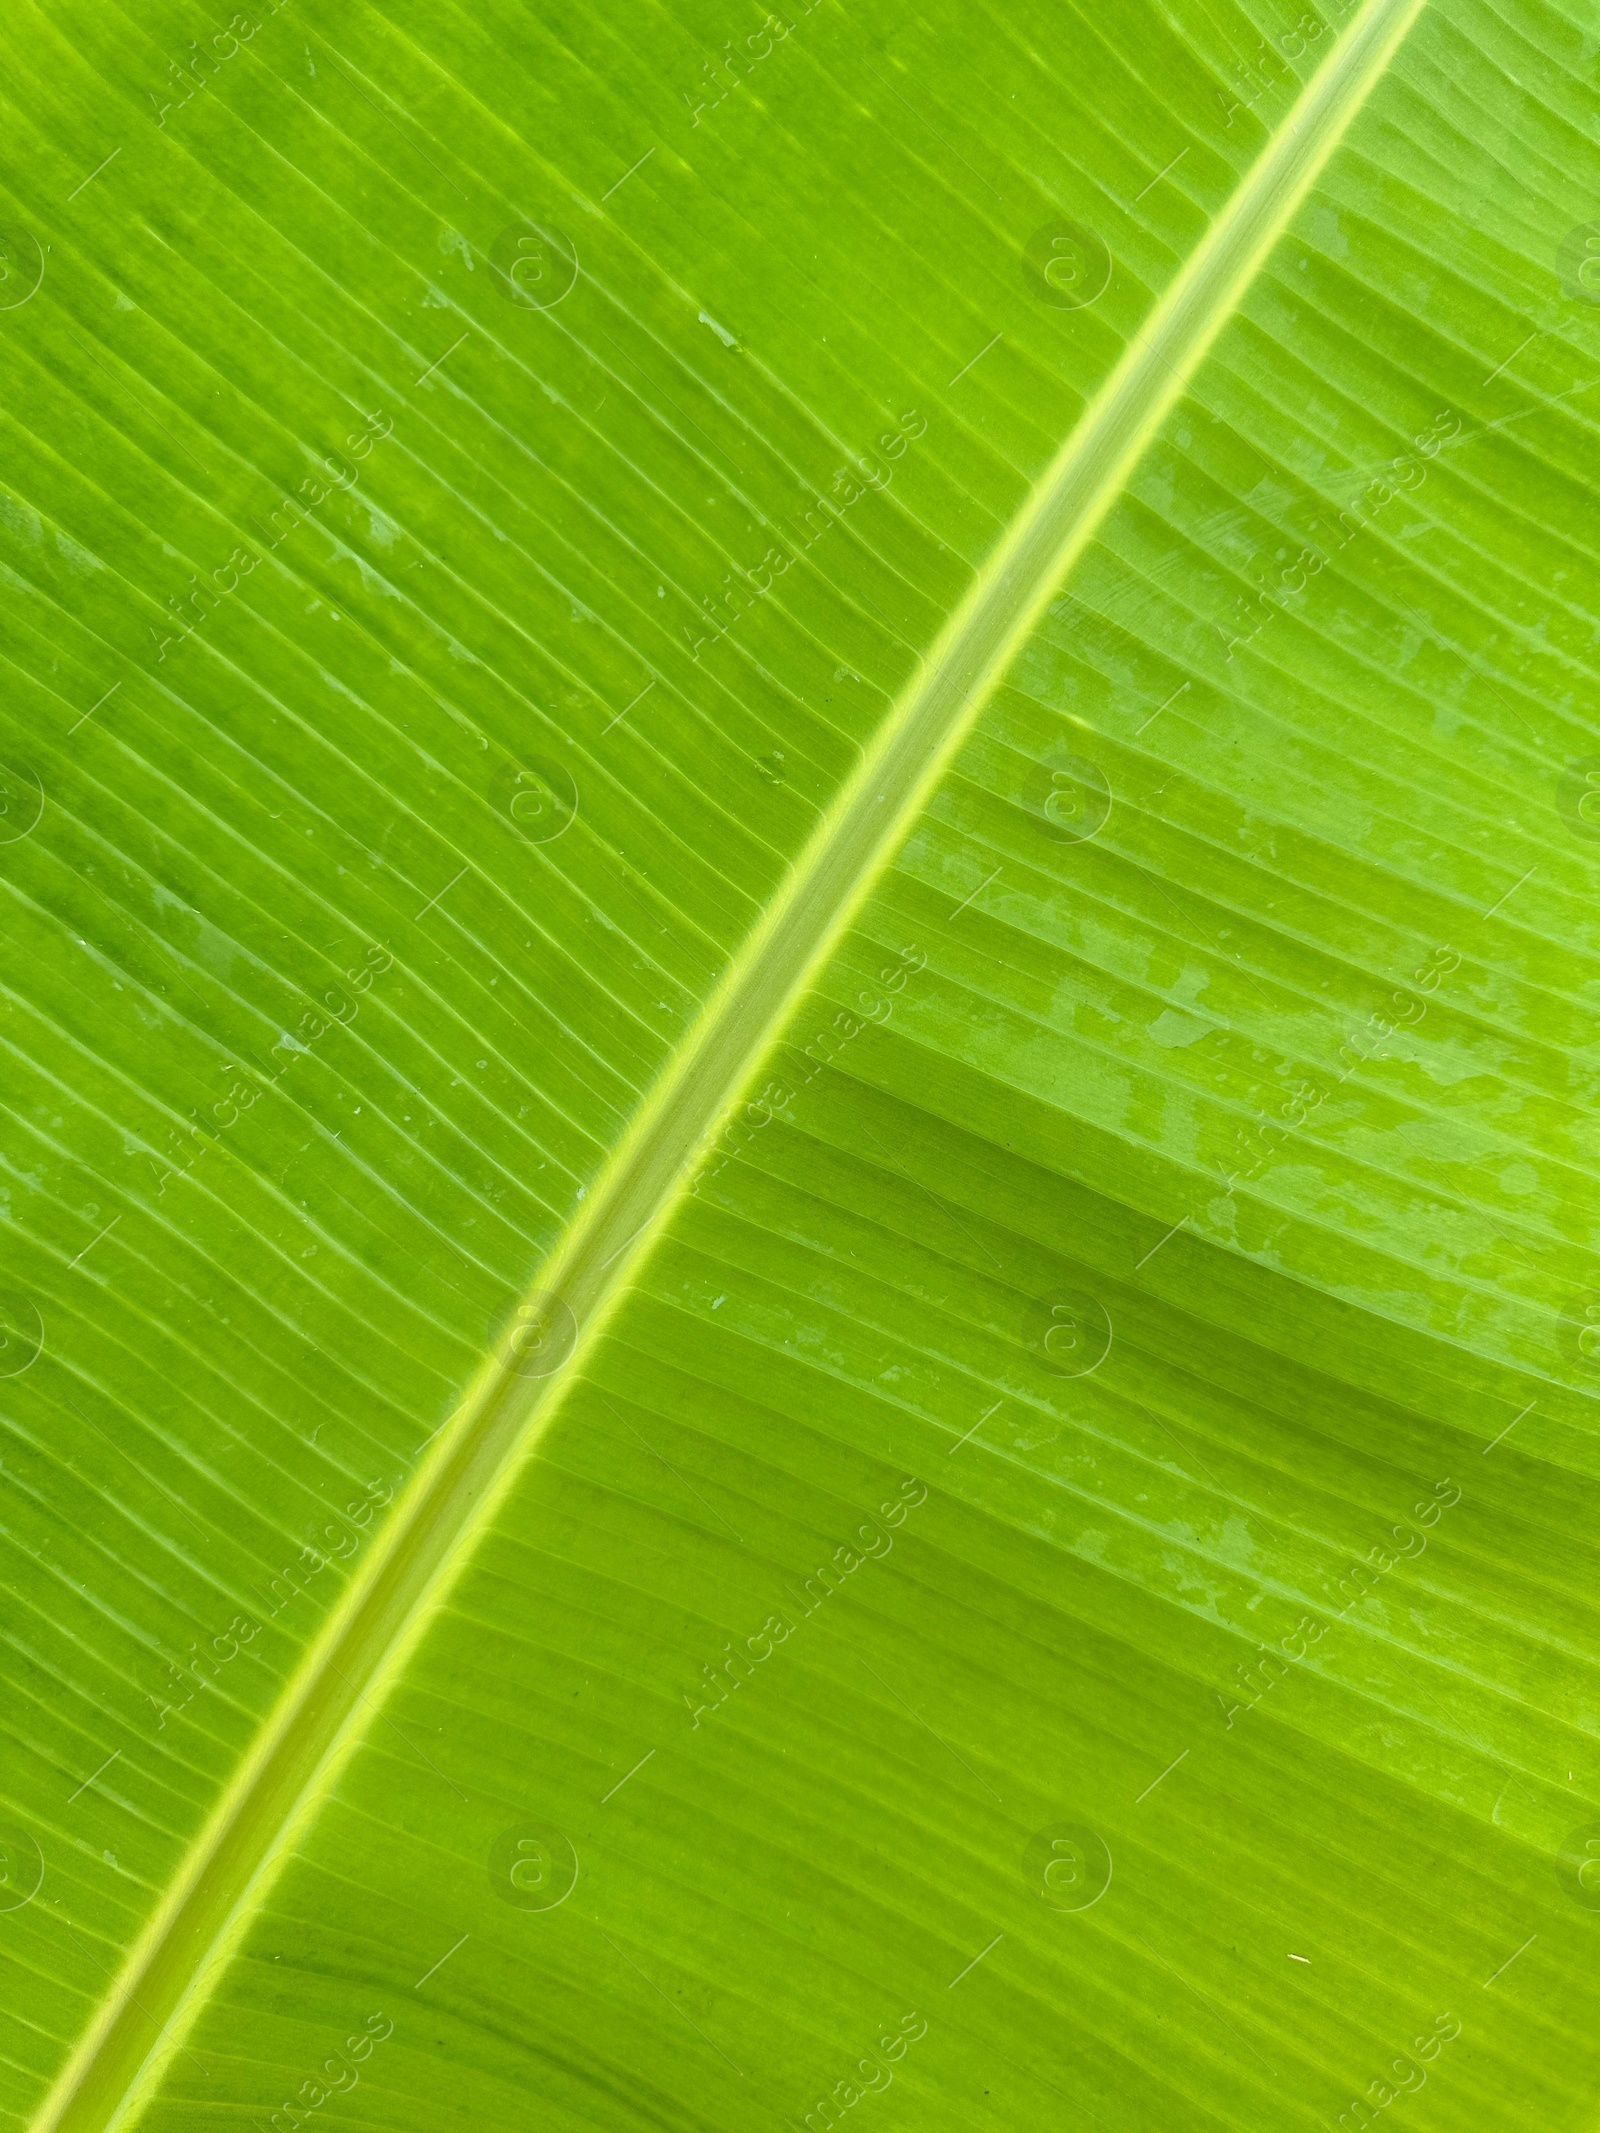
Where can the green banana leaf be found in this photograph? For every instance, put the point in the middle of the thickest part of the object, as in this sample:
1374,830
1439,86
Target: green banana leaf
801,1307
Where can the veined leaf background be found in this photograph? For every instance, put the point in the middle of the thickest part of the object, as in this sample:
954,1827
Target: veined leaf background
800,1083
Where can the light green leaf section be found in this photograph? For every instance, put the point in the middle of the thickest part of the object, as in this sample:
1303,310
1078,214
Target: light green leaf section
800,1108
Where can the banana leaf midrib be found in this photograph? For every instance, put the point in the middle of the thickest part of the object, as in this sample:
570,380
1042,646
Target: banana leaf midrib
321,1713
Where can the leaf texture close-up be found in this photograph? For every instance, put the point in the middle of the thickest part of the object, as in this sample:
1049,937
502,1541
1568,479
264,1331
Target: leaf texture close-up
800,1302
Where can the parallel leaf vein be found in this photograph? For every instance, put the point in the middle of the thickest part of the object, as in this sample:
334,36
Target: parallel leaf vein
474,1459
